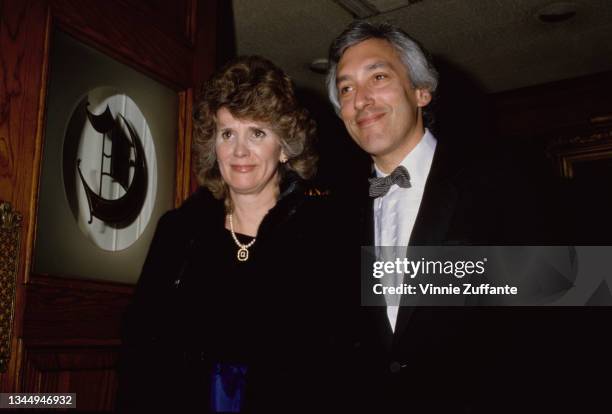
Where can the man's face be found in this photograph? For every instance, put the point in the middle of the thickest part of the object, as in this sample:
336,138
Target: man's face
378,104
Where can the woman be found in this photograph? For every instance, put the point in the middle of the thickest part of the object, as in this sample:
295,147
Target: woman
228,315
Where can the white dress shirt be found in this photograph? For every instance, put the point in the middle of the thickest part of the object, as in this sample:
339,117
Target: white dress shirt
395,213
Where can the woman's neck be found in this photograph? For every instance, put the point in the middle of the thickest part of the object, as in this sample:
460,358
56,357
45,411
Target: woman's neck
249,210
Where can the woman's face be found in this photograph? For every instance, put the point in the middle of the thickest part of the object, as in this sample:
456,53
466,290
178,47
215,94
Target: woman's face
248,153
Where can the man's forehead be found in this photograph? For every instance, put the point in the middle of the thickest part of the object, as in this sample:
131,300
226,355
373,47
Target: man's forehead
368,55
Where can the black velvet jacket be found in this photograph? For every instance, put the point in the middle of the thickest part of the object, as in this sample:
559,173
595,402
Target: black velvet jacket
196,304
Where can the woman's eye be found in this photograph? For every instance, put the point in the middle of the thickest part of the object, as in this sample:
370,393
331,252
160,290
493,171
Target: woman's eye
258,133
225,135
380,76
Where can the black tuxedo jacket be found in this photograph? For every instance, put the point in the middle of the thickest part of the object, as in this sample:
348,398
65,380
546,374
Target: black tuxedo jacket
463,359
460,206
425,357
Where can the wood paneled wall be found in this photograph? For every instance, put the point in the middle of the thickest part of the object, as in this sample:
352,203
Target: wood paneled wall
559,108
66,332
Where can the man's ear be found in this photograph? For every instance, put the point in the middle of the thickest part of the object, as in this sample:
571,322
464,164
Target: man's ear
423,97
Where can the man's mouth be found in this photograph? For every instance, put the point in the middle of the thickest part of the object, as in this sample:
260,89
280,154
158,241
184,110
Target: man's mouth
367,120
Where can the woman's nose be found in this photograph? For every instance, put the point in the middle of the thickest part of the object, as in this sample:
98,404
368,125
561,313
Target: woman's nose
241,148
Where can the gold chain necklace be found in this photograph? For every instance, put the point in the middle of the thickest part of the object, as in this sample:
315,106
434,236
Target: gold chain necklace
243,249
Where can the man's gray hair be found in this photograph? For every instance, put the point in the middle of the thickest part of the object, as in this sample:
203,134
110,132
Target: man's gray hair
421,71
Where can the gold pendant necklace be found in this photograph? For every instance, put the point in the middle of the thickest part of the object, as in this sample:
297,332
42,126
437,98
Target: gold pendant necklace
243,249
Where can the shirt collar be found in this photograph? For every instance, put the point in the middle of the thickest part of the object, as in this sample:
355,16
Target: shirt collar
418,161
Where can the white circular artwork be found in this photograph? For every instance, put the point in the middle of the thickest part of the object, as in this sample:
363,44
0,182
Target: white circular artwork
109,169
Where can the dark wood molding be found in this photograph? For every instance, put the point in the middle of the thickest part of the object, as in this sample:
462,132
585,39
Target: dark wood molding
205,43
173,17
71,339
24,54
128,37
62,311
564,107
88,372
183,147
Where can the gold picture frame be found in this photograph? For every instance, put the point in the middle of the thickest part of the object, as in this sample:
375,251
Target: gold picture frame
591,147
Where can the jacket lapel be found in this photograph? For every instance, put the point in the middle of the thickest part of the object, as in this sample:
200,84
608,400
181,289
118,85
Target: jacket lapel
438,203
435,214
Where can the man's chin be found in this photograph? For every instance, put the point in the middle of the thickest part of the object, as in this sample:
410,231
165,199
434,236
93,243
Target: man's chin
375,145
376,150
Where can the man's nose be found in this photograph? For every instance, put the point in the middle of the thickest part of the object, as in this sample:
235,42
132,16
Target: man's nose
363,98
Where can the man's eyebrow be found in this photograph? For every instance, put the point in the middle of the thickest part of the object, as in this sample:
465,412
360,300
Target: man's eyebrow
342,78
377,65
369,68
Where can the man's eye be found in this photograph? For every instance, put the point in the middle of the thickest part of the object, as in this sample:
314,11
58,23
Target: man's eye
380,76
345,89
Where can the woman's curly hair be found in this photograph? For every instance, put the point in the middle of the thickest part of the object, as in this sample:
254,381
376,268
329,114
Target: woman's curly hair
252,88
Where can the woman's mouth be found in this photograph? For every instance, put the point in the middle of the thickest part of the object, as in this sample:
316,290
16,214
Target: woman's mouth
243,168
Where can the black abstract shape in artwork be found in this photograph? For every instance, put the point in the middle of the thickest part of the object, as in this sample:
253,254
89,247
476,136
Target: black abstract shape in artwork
123,211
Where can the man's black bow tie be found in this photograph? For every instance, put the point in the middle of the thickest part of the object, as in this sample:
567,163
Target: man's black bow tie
380,185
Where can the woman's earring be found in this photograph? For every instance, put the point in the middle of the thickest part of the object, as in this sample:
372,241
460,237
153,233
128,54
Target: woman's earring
283,159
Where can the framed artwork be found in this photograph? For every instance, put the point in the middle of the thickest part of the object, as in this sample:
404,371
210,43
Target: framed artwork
585,155
108,165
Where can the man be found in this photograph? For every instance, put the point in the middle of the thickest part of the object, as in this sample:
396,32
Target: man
415,358
380,83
